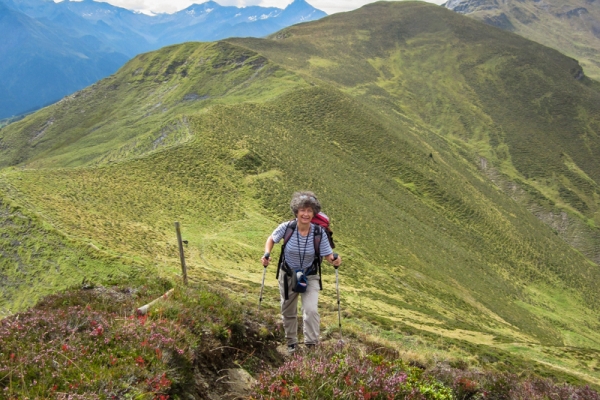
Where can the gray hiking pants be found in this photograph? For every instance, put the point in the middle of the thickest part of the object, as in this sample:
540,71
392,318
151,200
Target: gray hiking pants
310,312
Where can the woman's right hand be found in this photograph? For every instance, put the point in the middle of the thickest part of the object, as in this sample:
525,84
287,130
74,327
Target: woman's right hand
265,259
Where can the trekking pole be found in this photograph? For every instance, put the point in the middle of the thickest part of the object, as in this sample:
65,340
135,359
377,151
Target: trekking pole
337,286
267,255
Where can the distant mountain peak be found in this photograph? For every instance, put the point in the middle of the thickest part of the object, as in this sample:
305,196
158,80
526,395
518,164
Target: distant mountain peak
203,6
299,3
301,11
468,6
209,4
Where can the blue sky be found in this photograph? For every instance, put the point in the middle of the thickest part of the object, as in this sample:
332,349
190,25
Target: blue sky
169,6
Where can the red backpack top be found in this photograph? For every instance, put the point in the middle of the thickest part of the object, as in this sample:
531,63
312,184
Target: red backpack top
323,220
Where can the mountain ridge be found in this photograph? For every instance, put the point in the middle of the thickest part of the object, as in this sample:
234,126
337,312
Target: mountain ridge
505,135
572,27
109,35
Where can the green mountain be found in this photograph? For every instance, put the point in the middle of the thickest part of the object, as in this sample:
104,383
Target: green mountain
50,50
570,26
517,120
443,149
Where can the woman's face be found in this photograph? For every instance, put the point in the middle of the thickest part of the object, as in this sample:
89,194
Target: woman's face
305,215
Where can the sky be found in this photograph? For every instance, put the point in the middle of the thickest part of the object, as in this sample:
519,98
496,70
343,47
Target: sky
170,6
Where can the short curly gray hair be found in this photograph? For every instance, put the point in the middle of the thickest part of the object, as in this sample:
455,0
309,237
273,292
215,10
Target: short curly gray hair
304,199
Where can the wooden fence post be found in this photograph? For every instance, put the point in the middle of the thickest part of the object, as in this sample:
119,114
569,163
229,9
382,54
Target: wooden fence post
181,256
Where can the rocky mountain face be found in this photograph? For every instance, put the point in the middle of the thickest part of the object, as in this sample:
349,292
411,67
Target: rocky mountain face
50,49
571,26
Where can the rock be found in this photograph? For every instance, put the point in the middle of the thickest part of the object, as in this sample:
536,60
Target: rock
500,21
194,97
240,382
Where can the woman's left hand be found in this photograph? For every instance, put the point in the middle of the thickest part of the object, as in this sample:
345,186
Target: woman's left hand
335,261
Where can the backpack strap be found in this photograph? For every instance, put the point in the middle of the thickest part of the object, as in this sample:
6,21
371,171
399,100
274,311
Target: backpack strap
318,236
289,231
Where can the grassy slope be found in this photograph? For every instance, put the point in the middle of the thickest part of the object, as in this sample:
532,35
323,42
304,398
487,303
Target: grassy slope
571,26
37,260
430,244
110,120
514,105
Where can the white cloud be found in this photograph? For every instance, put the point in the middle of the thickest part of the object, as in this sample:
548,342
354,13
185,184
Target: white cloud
335,6
170,6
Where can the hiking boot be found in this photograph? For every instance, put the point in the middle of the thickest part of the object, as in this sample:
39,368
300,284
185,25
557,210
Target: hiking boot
310,346
291,349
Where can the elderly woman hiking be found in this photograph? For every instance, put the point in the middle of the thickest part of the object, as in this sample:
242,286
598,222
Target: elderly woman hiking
304,245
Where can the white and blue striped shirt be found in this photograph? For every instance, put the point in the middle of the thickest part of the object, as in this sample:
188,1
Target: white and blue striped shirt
301,248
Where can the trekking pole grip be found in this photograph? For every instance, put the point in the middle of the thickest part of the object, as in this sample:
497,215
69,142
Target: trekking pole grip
335,257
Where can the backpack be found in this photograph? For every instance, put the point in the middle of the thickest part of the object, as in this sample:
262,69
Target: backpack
321,224
323,220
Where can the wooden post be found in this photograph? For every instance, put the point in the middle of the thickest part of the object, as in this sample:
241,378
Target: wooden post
181,256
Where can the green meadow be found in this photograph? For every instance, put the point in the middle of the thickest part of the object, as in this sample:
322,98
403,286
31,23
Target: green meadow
458,163
569,26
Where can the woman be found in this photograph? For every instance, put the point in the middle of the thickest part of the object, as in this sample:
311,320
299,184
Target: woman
299,256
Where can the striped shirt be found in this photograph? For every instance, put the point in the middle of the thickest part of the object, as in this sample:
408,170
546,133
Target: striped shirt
301,248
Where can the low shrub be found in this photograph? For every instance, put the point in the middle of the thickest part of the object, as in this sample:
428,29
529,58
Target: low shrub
494,385
334,372
80,350
90,344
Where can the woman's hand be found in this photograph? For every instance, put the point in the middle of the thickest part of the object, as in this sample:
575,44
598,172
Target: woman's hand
265,259
268,247
334,259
